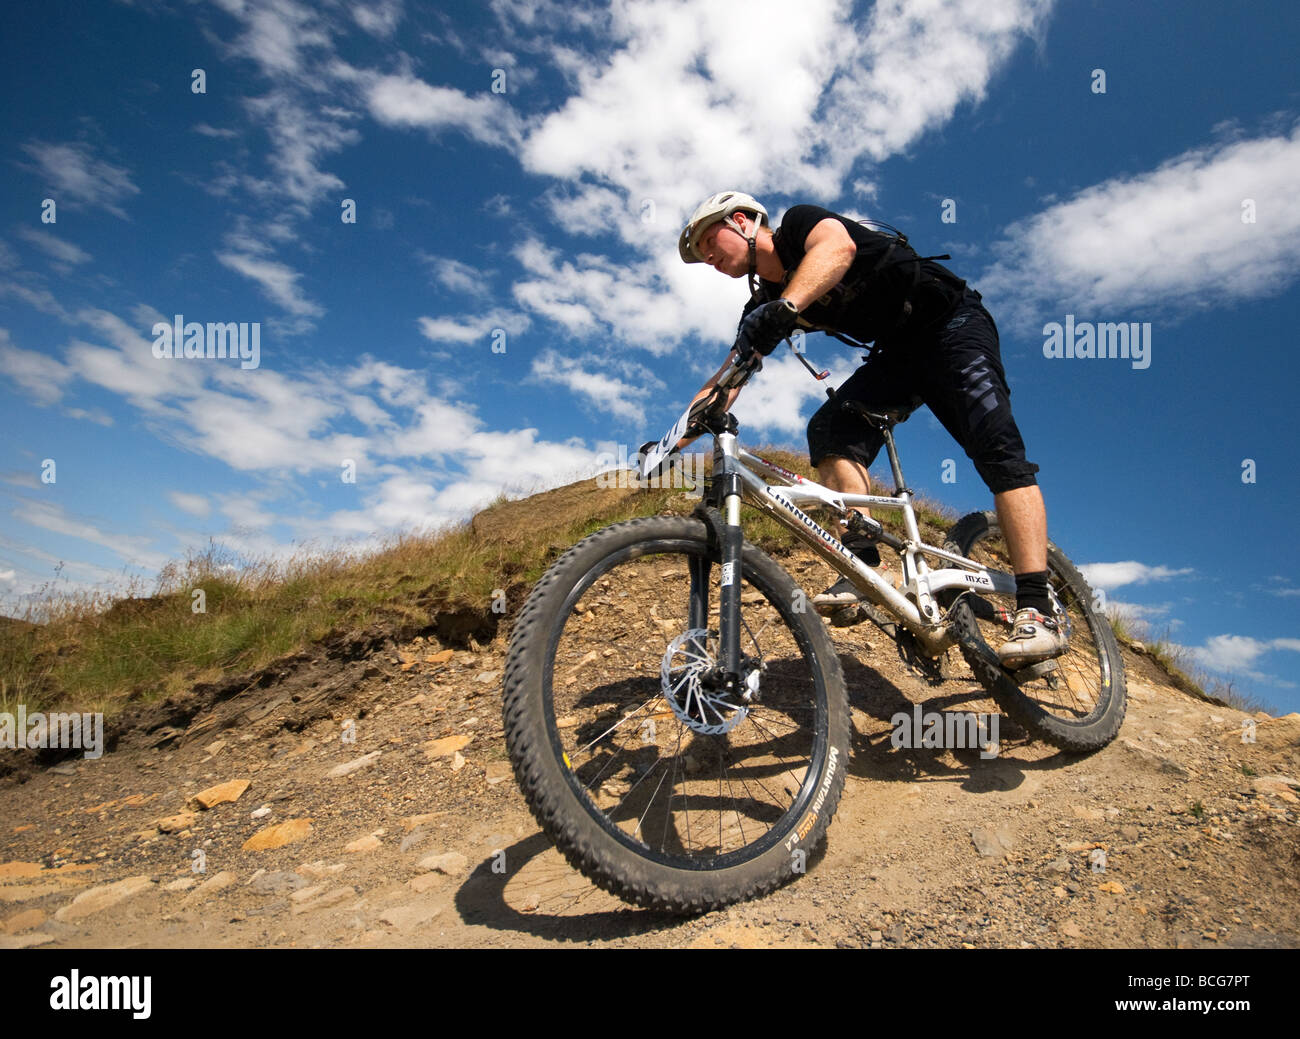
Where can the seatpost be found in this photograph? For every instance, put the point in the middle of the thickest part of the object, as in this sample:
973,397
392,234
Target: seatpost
894,466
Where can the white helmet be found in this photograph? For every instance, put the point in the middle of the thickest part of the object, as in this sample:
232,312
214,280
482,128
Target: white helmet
713,209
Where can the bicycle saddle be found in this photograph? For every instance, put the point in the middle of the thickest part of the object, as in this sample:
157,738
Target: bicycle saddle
884,416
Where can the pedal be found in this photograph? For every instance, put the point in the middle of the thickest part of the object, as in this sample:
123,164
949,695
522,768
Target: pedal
1028,674
916,660
864,526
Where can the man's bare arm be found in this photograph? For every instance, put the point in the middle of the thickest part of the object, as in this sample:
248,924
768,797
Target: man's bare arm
828,254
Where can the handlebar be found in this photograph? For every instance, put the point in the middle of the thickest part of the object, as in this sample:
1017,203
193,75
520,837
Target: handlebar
733,378
703,413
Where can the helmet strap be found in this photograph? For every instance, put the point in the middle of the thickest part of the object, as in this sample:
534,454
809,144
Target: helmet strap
750,241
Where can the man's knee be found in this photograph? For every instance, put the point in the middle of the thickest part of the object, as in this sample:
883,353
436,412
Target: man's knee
839,468
1006,474
998,451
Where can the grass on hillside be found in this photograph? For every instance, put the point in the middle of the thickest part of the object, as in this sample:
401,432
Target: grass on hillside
93,652
1178,661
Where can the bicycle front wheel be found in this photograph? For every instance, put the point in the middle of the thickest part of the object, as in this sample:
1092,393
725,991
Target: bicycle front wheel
656,783
1075,701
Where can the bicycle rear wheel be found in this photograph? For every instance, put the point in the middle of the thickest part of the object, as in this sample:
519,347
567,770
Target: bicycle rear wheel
653,782
1075,701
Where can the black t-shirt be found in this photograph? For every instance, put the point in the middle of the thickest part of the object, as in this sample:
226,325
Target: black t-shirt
888,292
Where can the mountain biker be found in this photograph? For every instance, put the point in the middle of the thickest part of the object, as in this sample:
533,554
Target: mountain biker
934,343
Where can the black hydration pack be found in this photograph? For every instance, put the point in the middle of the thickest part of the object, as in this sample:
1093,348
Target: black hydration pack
931,293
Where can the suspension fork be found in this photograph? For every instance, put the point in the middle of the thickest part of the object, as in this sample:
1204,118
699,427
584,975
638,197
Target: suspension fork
727,481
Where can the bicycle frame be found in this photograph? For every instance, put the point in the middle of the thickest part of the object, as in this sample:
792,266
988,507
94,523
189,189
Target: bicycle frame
734,482
782,503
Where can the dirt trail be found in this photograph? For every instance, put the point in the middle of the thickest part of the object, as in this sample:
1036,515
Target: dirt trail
425,840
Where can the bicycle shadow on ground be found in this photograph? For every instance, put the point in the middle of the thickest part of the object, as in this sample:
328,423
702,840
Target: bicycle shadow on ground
490,899
875,757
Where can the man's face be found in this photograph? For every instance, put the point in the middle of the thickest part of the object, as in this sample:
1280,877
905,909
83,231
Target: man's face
725,249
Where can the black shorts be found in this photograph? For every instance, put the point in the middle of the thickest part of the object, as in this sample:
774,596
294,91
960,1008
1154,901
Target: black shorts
957,371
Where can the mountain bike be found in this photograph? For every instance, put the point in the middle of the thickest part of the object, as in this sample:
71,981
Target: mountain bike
676,713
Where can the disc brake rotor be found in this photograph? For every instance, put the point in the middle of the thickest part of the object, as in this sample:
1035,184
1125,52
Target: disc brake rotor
687,679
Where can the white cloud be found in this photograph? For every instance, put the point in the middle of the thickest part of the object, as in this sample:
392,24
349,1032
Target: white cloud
96,415
583,376
64,252
403,100
472,328
398,386
194,504
1146,613
301,135
130,369
246,513
214,131
268,422
506,458
629,161
613,145
136,376
34,569
652,304
457,275
1171,239
277,33
279,282
783,396
438,428
379,19
847,90
1239,653
1109,576
20,478
39,299
43,377
911,65
293,46
51,516
74,177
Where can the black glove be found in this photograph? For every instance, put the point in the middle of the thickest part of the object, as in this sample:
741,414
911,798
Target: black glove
764,327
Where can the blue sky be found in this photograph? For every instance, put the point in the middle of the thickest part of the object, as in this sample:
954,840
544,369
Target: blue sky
520,171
